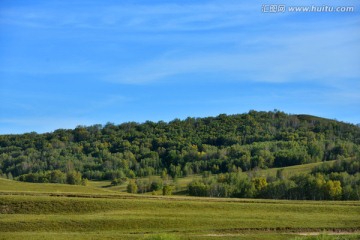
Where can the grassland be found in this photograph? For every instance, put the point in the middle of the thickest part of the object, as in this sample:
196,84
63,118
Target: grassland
15,187
289,171
134,217
98,211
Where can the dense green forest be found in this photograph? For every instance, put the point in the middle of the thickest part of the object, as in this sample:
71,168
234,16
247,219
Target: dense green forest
224,144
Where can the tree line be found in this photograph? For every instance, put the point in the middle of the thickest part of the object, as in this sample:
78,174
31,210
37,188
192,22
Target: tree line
222,144
54,176
339,181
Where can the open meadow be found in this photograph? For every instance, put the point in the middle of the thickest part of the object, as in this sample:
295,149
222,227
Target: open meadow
55,211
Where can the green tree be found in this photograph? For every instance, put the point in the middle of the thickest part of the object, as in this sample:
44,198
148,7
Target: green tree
132,187
10,176
73,178
198,188
333,189
84,182
167,190
57,176
259,183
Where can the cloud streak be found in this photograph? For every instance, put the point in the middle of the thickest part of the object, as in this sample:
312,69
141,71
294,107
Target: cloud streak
302,56
137,17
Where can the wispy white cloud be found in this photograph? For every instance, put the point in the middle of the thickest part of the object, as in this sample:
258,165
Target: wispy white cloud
322,55
316,51
137,17
187,17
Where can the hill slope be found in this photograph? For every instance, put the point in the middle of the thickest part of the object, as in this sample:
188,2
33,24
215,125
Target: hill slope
58,211
137,217
180,147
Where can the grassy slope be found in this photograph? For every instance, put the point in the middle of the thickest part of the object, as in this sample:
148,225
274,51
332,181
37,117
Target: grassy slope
292,170
95,212
188,217
8,186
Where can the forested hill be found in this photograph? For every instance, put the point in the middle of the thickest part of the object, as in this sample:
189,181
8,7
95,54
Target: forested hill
181,147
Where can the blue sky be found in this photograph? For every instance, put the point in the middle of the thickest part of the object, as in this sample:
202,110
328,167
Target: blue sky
69,63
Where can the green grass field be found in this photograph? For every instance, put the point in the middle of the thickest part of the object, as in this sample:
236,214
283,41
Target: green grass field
98,211
290,171
136,217
28,188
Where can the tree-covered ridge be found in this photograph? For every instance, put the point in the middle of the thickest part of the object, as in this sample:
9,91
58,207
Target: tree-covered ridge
226,143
